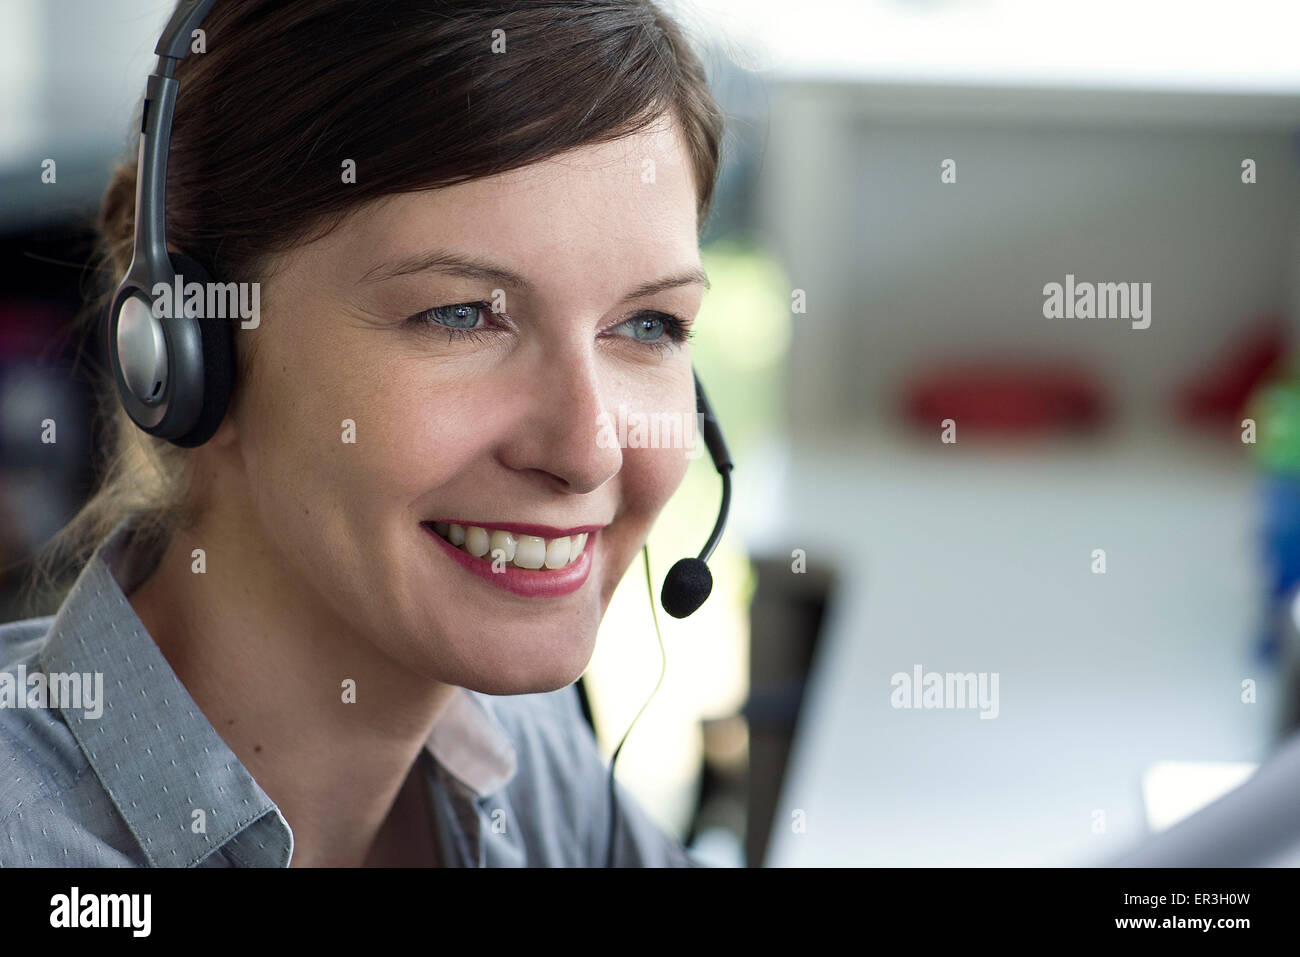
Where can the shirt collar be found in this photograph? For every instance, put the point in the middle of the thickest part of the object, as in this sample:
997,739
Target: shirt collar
470,743
159,758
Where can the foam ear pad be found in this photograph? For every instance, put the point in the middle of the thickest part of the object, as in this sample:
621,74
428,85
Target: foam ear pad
218,338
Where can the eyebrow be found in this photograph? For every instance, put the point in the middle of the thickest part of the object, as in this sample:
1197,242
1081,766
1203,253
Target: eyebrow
454,264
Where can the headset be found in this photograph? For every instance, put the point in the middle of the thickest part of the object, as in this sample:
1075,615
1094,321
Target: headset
175,374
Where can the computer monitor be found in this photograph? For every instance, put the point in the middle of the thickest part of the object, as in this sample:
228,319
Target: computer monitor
1254,825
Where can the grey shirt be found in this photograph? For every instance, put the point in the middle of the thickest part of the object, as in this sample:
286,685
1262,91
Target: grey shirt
132,774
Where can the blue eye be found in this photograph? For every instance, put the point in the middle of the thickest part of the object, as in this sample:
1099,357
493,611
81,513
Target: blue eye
646,328
656,329
460,320
463,315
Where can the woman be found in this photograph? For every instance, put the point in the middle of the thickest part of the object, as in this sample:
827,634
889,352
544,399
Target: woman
474,227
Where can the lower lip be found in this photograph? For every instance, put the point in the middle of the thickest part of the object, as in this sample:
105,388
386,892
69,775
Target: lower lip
526,582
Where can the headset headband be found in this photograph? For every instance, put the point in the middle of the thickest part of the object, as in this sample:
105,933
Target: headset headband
174,372
156,132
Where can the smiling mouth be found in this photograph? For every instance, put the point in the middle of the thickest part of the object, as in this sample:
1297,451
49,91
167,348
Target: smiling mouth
517,550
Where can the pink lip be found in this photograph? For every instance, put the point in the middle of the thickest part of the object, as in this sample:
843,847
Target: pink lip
521,528
529,583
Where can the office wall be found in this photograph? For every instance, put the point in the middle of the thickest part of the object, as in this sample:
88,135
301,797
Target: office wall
901,269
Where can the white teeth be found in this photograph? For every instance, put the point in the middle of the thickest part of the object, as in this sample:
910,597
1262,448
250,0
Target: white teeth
524,551
530,552
476,541
504,542
576,545
557,552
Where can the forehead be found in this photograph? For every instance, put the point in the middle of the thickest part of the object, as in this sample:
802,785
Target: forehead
627,205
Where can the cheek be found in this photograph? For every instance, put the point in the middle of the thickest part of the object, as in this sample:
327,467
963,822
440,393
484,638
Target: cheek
662,415
650,478
315,429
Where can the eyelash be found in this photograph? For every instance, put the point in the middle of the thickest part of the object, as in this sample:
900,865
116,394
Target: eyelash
677,330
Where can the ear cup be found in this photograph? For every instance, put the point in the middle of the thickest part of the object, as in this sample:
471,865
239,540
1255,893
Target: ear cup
218,338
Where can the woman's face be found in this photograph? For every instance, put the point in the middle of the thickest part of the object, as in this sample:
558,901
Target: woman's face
375,407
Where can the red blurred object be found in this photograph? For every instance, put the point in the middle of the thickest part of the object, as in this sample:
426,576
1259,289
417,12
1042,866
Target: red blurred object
1005,396
1220,393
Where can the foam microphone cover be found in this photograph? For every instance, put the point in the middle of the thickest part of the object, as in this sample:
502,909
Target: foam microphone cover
686,586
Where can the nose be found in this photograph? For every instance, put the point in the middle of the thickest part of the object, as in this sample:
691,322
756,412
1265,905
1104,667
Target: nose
563,434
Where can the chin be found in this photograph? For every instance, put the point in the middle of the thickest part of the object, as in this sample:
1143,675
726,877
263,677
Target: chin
552,679
530,666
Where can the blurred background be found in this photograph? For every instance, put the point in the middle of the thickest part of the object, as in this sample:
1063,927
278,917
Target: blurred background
1098,521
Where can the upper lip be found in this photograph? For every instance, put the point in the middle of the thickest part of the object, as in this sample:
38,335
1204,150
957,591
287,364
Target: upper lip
521,528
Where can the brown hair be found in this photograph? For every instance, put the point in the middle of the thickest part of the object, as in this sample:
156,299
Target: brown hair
420,94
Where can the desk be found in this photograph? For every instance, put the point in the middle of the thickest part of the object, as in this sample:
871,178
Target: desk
963,560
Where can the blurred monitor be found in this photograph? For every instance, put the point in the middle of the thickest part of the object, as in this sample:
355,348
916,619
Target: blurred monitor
1254,825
